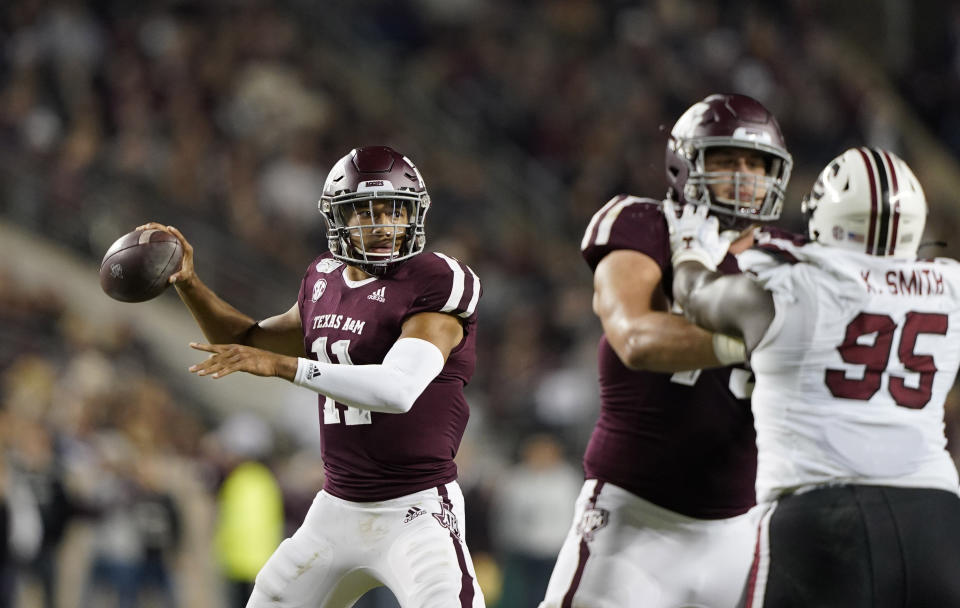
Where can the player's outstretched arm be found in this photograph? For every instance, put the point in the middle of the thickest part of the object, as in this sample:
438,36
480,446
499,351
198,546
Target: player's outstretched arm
628,299
415,359
220,322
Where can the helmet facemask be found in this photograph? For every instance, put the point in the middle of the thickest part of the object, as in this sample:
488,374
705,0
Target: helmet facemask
738,123
755,198
375,230
375,204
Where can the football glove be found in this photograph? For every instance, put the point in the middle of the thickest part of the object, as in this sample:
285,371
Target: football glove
695,236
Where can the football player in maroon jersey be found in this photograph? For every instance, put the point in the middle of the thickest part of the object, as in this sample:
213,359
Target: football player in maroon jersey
386,334
662,519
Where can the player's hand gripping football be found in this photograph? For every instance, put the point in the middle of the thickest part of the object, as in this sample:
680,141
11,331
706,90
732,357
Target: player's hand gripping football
228,358
695,236
185,273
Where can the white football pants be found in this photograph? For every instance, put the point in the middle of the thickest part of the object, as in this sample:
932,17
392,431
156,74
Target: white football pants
414,545
623,551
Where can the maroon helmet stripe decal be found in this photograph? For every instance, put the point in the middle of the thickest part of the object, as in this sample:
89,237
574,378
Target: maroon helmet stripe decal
584,556
894,185
466,581
894,190
884,199
893,230
873,200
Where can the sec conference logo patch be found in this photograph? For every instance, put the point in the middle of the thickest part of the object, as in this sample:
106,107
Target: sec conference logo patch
318,288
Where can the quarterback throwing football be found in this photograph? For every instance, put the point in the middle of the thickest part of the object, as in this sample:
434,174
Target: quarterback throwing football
386,334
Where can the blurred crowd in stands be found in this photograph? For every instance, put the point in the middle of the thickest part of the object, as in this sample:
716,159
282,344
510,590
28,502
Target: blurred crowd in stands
222,117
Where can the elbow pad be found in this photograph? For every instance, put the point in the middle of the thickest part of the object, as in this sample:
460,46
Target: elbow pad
390,387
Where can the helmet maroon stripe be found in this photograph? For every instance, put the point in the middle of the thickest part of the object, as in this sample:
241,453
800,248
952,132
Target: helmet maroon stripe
893,232
873,200
884,199
894,190
894,186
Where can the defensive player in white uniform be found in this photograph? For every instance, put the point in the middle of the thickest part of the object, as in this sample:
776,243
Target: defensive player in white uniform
854,343
385,333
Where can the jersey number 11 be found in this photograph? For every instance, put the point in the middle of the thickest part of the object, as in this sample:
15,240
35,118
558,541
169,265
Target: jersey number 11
331,411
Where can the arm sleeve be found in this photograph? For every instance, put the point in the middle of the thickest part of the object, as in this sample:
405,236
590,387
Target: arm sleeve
390,387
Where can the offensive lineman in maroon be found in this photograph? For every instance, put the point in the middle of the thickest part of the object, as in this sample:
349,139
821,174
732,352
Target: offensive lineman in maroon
662,520
386,334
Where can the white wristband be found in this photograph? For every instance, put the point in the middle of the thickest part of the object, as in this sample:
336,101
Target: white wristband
729,350
693,255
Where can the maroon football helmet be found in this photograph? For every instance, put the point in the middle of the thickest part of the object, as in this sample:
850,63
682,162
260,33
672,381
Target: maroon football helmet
728,121
364,176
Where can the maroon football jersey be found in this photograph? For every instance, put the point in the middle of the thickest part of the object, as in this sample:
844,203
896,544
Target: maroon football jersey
371,456
683,441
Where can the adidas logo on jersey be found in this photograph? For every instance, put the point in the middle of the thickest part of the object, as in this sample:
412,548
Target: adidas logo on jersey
412,514
379,295
313,373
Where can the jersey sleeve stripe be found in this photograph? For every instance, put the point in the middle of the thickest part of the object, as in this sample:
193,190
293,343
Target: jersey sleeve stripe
596,219
606,224
459,283
475,297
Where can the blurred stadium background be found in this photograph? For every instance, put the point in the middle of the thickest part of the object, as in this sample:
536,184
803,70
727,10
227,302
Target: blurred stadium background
222,117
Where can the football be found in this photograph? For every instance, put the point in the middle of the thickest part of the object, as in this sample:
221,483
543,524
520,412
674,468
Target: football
138,264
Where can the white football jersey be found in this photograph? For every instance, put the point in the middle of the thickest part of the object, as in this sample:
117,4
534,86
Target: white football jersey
852,375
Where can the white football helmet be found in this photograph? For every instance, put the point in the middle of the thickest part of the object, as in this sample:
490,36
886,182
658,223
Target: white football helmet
867,200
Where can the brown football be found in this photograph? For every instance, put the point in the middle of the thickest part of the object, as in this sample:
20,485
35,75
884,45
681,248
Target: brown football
138,264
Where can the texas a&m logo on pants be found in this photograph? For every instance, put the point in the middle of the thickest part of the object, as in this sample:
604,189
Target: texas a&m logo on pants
447,519
591,522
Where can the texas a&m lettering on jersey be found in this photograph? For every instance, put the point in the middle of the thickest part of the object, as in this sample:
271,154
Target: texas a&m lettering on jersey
355,323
